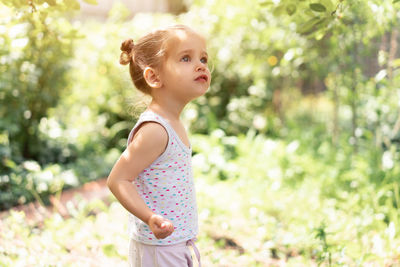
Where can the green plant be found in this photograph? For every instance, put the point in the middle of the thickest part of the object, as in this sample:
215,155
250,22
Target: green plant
325,254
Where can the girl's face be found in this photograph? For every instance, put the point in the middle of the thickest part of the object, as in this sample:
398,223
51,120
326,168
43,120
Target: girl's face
185,71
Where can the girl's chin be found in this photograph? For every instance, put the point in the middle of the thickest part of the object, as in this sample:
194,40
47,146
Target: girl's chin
201,92
195,92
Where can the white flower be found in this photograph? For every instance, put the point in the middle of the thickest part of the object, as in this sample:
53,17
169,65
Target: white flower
31,165
387,160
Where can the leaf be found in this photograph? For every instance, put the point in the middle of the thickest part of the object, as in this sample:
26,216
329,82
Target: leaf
266,3
9,163
91,2
291,9
318,7
307,27
321,28
395,1
278,10
315,25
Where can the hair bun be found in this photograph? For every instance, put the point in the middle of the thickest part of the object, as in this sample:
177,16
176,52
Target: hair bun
127,49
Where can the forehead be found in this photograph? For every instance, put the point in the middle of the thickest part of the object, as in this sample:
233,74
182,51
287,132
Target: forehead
182,40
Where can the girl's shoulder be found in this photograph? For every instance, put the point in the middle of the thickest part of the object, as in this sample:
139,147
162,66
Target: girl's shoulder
150,135
152,118
149,127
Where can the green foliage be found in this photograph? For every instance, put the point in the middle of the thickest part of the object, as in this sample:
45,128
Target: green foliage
87,233
255,67
325,254
329,154
278,201
46,5
30,181
35,52
261,57
246,45
37,47
290,200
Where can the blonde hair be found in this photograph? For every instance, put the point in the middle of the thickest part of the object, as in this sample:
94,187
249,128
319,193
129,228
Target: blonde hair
149,51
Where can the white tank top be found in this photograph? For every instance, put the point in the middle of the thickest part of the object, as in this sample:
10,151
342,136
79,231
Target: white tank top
167,188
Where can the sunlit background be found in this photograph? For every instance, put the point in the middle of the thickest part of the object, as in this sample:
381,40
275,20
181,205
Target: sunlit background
296,144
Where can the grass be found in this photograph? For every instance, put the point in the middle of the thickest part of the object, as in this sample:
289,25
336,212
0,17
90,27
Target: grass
261,202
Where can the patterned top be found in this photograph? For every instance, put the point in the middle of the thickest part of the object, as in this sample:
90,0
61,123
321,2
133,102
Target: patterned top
167,187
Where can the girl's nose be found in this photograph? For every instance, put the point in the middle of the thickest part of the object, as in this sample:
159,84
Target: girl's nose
200,66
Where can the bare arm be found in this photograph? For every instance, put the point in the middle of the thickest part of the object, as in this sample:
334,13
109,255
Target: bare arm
148,144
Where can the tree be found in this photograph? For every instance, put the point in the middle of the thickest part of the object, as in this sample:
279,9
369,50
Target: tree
37,46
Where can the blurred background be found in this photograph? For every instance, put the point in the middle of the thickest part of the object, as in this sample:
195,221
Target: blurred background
296,145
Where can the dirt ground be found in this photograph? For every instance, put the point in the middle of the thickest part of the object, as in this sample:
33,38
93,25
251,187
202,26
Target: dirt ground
35,212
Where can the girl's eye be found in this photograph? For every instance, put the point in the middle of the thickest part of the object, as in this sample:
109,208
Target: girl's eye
185,59
204,60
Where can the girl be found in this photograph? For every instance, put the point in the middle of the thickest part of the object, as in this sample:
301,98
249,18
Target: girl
153,178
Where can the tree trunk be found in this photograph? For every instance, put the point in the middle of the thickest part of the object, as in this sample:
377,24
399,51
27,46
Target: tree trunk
335,135
392,56
354,96
392,53
277,104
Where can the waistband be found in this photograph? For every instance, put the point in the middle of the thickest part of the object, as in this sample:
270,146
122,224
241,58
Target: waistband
194,251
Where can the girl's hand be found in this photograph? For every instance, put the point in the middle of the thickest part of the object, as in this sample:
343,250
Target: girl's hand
160,226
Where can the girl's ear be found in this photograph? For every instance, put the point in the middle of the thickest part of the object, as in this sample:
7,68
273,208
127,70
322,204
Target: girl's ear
152,78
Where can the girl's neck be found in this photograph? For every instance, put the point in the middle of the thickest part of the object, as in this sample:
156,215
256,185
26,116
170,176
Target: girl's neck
166,109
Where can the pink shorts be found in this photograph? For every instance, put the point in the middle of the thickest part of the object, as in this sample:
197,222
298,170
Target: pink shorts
183,254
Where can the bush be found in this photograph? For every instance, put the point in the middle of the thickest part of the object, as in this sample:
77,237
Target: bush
35,54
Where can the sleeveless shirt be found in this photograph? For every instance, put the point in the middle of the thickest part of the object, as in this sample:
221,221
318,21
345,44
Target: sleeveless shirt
167,188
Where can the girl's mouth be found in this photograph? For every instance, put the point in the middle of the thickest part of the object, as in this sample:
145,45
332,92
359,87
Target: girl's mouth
202,78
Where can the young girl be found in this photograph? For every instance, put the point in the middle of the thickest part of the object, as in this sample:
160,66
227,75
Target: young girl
153,177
